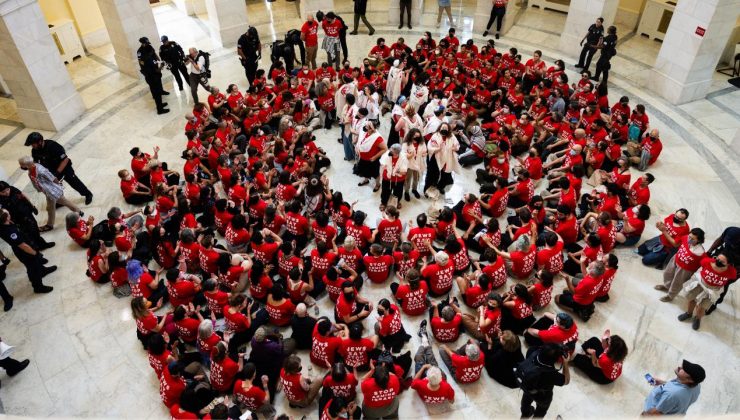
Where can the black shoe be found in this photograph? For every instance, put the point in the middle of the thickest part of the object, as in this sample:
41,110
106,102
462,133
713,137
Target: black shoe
24,364
48,270
497,35
43,261
47,245
416,194
43,289
400,26
594,78
88,199
485,33
180,89
8,304
410,27
423,328
406,196
684,316
353,33
162,111
372,32
578,66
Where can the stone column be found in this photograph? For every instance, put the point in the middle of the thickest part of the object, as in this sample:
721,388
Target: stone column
483,13
33,70
228,19
394,12
127,21
312,6
581,15
696,37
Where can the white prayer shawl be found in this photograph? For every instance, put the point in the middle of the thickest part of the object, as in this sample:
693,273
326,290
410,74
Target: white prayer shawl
371,103
357,125
707,292
432,106
417,157
393,86
340,97
432,125
365,143
445,152
406,124
387,166
419,96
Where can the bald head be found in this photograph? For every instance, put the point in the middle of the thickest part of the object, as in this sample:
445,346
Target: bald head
579,133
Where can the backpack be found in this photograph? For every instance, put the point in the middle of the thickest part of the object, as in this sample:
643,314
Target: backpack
633,133
207,58
293,37
276,50
529,372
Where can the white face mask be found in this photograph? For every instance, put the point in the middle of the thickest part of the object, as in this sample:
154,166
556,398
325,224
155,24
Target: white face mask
501,160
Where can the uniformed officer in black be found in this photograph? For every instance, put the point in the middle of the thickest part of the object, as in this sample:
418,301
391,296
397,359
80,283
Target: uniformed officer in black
150,68
26,254
592,38
52,156
608,47
172,54
22,211
249,49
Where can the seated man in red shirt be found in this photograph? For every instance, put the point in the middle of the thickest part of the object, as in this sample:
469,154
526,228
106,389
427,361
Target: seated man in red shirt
379,52
134,192
412,293
581,294
466,364
645,153
552,328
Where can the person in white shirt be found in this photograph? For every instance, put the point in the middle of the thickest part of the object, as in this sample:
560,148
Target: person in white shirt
442,149
197,72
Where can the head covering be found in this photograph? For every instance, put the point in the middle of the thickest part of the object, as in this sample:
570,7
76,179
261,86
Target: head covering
144,40
33,138
164,38
565,320
396,63
695,371
401,99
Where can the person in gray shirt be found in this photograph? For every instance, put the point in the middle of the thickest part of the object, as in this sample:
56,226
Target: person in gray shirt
676,395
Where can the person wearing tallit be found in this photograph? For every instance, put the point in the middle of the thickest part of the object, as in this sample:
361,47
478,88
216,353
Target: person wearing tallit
370,147
393,166
399,108
442,149
419,92
409,120
397,78
415,149
348,86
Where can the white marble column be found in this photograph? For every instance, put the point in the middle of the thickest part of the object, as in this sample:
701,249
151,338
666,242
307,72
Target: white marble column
228,19
581,15
394,12
127,21
313,6
483,13
33,70
687,60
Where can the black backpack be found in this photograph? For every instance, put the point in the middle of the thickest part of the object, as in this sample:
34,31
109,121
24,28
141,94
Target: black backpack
293,37
529,373
207,58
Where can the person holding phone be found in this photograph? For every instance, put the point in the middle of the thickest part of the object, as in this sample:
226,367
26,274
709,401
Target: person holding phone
677,395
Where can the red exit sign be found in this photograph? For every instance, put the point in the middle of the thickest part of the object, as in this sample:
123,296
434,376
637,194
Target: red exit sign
700,31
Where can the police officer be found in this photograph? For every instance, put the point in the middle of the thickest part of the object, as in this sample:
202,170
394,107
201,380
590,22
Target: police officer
249,49
150,68
22,211
608,47
592,38
172,54
51,155
26,254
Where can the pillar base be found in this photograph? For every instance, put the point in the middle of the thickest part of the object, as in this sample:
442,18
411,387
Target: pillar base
570,44
483,13
227,19
394,13
53,119
128,65
676,92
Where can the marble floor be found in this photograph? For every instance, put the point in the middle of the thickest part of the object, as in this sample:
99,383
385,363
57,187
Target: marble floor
86,361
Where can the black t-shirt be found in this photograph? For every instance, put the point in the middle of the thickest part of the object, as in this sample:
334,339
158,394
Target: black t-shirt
16,205
171,53
302,331
594,33
249,46
609,46
50,155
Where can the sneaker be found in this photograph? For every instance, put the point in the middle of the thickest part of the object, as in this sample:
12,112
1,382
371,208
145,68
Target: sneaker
162,111
485,33
48,270
371,32
353,33
661,288
410,27
684,316
666,298
423,327
695,325
497,35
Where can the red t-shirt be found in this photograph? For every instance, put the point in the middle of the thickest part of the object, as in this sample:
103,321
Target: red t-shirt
444,393
522,263
586,291
714,278
413,302
496,272
609,367
440,278
345,389
390,323
466,370
446,332
280,315
390,231
419,236
356,352
323,349
378,268
541,295
292,386
557,335
223,373
686,259
376,397
170,388
674,231
252,398
551,259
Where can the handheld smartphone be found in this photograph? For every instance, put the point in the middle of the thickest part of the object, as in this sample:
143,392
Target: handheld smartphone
649,378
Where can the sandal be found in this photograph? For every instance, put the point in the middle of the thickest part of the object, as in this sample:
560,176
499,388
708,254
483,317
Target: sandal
45,228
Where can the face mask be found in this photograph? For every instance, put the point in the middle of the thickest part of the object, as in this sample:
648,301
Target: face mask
346,66
573,153
719,263
305,71
676,220
501,160
692,242
350,295
380,312
444,133
532,154
491,307
24,169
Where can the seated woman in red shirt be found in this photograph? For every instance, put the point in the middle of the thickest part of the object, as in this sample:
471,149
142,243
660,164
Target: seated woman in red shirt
299,390
389,326
466,363
633,224
248,394
412,293
146,322
579,259
279,307
602,361
223,369
380,389
516,314
79,230
97,262
521,262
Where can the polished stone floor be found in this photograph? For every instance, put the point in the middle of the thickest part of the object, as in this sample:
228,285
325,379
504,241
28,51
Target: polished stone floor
86,361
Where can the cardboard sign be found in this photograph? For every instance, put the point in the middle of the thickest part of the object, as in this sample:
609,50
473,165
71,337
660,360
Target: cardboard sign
700,31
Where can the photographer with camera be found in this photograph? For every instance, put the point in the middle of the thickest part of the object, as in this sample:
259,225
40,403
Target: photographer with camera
537,376
199,72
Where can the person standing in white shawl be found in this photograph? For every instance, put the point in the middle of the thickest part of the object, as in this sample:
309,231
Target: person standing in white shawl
442,149
415,150
433,122
370,147
419,92
395,83
393,167
408,121
348,87
346,121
